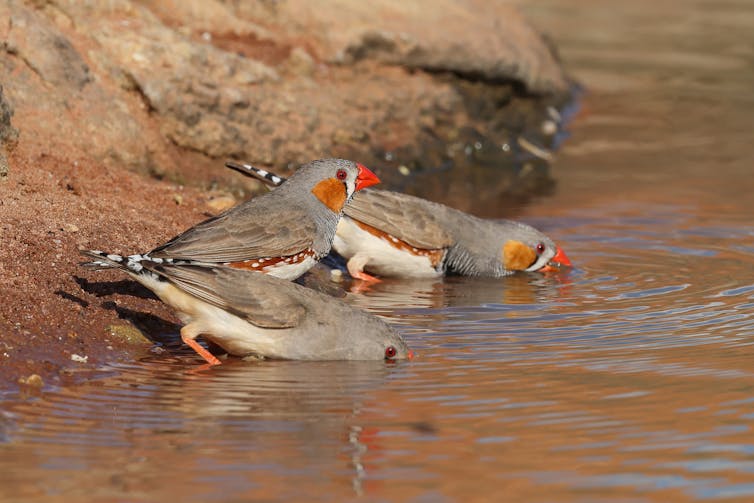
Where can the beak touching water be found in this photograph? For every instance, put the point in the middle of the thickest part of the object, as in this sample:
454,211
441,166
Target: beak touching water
365,178
557,261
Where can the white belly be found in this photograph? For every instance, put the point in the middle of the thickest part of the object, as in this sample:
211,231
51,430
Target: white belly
382,258
235,335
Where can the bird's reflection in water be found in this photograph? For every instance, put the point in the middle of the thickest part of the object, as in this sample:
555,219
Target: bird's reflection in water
307,412
391,296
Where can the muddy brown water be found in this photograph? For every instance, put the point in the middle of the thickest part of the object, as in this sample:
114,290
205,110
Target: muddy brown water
629,378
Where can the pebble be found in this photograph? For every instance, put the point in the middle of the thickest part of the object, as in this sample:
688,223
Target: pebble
549,127
79,358
221,203
128,334
33,380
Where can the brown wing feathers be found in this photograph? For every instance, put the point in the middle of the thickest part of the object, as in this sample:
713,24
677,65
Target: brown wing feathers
239,235
411,219
253,298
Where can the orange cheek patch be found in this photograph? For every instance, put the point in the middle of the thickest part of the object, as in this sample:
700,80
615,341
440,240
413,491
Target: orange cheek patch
517,256
332,193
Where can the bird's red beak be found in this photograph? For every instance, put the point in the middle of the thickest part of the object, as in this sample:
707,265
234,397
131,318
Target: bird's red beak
558,260
560,257
365,178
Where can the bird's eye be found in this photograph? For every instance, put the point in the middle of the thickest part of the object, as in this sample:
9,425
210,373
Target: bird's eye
341,174
540,248
390,352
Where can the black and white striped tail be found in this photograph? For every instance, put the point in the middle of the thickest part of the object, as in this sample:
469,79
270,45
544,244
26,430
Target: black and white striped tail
132,263
262,175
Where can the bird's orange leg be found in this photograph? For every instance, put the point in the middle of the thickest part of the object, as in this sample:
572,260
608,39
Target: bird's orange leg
355,268
188,339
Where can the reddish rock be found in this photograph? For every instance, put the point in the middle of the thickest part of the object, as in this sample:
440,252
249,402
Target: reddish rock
8,134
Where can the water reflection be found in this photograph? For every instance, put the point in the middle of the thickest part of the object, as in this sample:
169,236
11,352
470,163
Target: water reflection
626,379
235,424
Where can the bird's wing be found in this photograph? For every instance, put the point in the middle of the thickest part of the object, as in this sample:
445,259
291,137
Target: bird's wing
416,221
259,299
248,231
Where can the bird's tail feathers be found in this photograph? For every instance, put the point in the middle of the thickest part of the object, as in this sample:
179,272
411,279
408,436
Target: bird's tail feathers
104,260
264,176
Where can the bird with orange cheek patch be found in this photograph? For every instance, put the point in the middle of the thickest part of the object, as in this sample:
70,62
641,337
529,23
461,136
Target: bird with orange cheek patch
393,234
281,233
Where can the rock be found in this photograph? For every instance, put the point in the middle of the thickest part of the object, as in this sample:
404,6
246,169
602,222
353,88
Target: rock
208,18
128,333
301,63
480,39
192,86
221,202
46,52
136,83
34,381
8,134
58,101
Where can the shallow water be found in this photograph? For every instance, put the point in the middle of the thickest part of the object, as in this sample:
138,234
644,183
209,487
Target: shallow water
629,378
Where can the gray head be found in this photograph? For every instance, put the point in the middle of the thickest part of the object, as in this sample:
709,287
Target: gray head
332,181
372,340
527,249
338,331
500,247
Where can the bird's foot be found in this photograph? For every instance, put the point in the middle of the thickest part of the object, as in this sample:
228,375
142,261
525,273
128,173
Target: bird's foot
368,278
